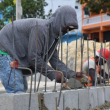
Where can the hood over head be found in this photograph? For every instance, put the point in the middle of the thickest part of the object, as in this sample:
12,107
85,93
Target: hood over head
63,17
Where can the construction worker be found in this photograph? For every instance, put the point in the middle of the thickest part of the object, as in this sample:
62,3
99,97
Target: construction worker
92,64
24,52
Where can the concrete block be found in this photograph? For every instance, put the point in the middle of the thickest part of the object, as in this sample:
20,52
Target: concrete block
107,93
93,97
100,96
21,101
83,99
49,100
6,101
71,99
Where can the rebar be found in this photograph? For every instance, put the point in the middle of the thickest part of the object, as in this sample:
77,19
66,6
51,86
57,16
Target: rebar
36,56
75,61
57,62
42,66
109,64
88,59
94,46
81,53
67,54
104,63
61,70
14,53
100,65
47,41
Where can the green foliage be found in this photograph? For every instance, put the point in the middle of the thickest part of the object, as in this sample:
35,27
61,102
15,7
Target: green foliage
31,9
97,5
1,23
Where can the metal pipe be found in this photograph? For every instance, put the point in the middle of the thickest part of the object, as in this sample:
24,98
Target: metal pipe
104,62
81,53
47,42
109,64
75,61
61,70
58,56
100,65
98,62
88,60
67,54
23,68
57,62
41,67
94,46
36,56
14,53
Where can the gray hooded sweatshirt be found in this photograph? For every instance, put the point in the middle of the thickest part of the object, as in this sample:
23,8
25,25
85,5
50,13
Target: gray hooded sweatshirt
25,40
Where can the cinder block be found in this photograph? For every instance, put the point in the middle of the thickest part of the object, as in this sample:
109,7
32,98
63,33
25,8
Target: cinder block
49,100
6,101
93,97
83,99
107,93
100,96
71,99
21,101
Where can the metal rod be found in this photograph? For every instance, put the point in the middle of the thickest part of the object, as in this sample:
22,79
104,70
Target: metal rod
109,64
81,53
22,68
36,56
61,70
47,42
57,62
56,103
98,62
67,54
104,63
60,91
75,61
14,53
100,65
41,67
88,59
58,56
94,46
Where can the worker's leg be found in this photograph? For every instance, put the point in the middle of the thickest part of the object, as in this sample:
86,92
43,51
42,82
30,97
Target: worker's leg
7,75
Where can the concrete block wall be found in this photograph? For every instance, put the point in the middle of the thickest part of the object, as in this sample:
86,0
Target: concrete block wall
80,99
49,100
70,99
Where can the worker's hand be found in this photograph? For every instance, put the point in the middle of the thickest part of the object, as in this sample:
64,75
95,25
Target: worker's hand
80,75
59,77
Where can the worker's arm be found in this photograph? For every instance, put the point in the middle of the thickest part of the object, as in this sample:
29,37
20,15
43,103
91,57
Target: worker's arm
92,75
40,49
62,67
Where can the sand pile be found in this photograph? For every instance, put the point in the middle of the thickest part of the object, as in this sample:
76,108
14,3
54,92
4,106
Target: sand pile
72,51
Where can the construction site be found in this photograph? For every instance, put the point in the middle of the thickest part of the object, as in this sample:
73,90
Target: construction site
88,92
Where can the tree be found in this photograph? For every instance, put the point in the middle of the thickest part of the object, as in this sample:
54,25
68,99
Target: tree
97,6
31,9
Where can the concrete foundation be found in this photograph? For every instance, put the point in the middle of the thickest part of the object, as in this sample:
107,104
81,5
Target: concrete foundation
49,100
70,99
83,99
80,99
100,95
107,93
93,97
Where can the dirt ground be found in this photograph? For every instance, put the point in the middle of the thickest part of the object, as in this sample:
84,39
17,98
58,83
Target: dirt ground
72,51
